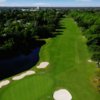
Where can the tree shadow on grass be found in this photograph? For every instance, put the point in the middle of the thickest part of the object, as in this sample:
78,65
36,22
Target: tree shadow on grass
58,31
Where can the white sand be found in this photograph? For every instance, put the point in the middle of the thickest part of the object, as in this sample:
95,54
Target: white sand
4,83
27,73
90,60
62,94
43,65
75,22
83,37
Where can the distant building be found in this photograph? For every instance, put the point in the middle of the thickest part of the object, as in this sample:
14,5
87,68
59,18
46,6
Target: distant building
31,9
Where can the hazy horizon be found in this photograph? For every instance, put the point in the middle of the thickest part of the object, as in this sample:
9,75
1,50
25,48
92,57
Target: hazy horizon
50,3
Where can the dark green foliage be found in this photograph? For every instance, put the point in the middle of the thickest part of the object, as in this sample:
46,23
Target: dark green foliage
90,22
18,27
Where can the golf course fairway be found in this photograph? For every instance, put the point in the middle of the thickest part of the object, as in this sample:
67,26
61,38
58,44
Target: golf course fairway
68,69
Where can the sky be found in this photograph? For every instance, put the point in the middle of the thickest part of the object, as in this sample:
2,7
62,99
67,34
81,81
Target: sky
62,3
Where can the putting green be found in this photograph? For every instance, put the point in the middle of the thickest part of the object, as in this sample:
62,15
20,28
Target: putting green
68,69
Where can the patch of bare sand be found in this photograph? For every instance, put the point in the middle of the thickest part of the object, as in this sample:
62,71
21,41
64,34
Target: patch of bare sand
43,65
90,60
27,73
4,83
62,94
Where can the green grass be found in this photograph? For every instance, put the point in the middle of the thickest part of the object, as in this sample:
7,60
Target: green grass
69,68
32,89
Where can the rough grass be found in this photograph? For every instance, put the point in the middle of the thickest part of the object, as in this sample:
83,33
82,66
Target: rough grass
69,68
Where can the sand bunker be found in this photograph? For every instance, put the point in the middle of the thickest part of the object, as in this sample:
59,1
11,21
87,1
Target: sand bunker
4,83
27,73
83,37
62,94
90,60
43,65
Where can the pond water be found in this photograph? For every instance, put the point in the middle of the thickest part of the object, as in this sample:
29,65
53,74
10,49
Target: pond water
10,67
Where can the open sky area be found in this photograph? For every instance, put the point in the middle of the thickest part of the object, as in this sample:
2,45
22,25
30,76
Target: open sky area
50,3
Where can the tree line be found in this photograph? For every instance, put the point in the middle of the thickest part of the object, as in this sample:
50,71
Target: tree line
20,29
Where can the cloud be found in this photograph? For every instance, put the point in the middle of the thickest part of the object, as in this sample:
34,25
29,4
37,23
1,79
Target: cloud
2,2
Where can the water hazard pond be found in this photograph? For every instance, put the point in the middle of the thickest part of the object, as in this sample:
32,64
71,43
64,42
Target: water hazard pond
20,63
